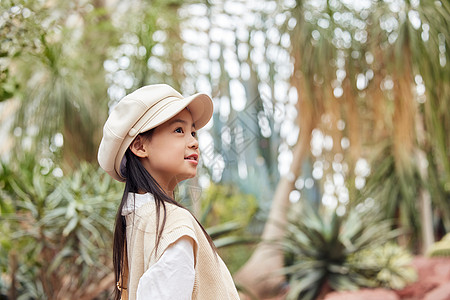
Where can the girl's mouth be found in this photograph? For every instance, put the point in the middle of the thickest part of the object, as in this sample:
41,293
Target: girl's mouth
192,157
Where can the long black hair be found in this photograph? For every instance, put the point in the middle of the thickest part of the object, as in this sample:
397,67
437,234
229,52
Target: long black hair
139,180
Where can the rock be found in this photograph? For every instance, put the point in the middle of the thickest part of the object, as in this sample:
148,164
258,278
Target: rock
427,266
418,290
442,269
366,294
432,273
433,283
440,293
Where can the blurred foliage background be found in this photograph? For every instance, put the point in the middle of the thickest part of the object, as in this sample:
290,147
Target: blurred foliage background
339,107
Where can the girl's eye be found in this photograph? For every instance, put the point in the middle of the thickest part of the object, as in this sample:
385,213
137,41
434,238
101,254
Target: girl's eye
194,134
179,130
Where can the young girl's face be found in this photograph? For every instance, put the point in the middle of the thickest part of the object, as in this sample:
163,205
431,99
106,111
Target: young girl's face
172,151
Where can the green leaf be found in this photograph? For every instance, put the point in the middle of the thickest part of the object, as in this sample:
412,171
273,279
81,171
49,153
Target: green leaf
70,226
222,229
310,281
233,241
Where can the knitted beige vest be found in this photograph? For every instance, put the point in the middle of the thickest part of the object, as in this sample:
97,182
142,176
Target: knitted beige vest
212,278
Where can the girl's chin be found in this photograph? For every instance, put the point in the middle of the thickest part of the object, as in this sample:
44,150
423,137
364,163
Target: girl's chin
186,176
192,175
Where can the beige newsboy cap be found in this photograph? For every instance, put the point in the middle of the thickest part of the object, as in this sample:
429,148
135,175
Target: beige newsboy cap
141,111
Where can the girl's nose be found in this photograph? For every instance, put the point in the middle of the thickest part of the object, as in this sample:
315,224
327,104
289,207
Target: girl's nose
193,143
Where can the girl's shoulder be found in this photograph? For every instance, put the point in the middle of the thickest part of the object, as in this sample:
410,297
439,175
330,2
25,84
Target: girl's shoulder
175,216
179,215
149,208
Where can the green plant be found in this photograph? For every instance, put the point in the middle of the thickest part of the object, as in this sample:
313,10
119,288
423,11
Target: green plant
387,265
226,213
223,203
58,230
318,249
440,248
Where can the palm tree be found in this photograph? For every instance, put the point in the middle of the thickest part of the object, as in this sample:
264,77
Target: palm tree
360,66
61,79
416,60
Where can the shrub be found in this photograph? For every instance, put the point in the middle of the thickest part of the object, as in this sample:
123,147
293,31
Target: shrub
58,230
228,211
326,249
387,265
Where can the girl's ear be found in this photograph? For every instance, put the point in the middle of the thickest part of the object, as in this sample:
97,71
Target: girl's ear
138,147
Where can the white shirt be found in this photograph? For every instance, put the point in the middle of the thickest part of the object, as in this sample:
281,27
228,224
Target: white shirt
173,275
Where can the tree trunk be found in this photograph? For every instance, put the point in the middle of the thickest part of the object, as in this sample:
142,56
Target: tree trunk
426,219
426,214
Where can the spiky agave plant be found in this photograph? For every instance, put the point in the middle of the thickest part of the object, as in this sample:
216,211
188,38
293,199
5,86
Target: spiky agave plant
441,248
387,265
318,248
57,230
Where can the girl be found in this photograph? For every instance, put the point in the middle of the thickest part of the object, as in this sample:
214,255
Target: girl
160,250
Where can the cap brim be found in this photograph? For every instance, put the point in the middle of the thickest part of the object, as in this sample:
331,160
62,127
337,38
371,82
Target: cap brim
199,105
